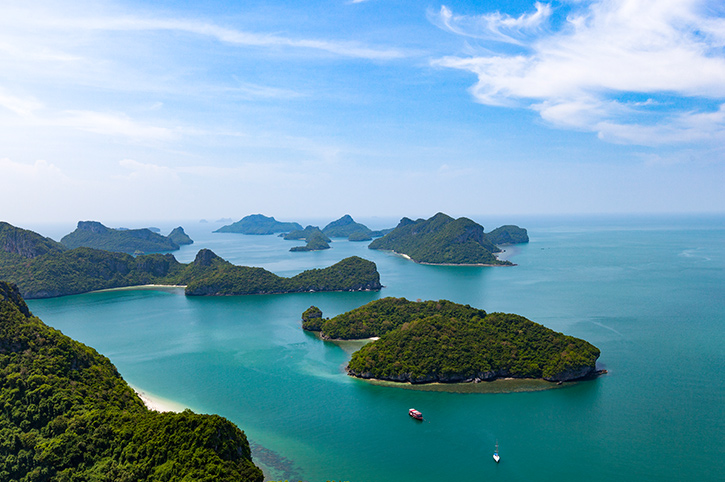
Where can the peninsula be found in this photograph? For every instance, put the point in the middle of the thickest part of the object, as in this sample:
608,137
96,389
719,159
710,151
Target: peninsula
441,240
68,415
43,269
258,224
442,341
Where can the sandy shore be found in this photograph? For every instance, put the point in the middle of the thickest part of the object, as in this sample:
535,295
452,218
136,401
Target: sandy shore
158,404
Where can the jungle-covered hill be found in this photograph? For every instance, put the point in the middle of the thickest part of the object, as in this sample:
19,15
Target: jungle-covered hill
67,415
442,341
441,240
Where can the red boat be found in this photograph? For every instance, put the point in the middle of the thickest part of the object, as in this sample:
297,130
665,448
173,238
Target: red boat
415,414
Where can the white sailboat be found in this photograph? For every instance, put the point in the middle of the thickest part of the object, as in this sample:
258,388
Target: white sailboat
496,457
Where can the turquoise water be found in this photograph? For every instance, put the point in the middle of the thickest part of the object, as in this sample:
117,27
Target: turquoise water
650,293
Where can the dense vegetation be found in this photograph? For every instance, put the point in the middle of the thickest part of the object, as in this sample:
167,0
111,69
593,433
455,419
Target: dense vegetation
80,270
346,227
178,236
92,234
440,240
258,224
315,238
67,415
316,241
25,243
350,274
508,234
441,341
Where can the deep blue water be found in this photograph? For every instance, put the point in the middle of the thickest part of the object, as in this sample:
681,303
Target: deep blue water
649,292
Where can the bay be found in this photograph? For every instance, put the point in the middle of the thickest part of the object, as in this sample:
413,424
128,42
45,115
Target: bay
648,291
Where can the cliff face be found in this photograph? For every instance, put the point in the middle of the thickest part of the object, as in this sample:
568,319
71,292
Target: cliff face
27,244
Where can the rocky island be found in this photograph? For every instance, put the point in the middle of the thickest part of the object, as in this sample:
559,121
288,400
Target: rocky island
441,240
42,268
346,227
92,234
258,224
442,341
68,415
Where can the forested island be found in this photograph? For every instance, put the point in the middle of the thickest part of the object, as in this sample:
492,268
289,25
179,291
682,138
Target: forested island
67,415
314,237
442,240
42,268
346,227
92,234
258,224
442,341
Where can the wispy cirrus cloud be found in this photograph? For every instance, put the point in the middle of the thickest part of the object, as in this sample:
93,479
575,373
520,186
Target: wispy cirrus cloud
494,26
584,74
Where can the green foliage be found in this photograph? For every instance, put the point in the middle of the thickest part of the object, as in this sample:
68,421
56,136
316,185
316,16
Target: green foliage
350,274
384,315
442,341
312,319
81,270
24,243
66,414
345,227
360,236
316,239
178,236
508,234
92,234
258,224
440,240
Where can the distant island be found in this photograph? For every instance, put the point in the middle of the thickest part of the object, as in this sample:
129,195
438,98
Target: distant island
178,236
508,234
68,415
42,268
92,234
258,224
442,240
346,227
442,341
315,238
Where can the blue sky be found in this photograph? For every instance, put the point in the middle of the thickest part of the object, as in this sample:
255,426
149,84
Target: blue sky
129,110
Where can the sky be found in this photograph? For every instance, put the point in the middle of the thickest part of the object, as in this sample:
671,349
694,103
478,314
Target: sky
171,109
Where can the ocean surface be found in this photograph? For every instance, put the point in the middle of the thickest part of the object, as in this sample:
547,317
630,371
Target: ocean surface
648,291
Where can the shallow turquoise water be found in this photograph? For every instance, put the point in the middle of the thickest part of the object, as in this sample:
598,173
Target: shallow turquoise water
650,293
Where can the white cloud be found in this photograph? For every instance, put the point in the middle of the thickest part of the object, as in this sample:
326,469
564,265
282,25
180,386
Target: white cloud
495,26
576,77
113,124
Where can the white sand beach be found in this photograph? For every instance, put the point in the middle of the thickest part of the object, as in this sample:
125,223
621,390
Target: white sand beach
158,404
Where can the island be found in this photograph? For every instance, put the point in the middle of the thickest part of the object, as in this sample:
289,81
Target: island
346,227
441,240
315,238
92,234
178,236
42,268
68,415
258,224
446,342
508,234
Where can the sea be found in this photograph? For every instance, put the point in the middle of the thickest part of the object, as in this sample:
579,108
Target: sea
648,291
